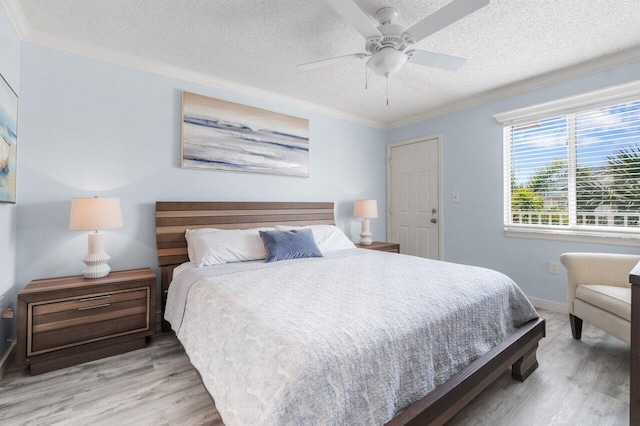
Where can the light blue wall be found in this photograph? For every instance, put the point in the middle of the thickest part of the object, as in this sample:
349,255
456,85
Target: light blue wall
10,70
94,128
472,166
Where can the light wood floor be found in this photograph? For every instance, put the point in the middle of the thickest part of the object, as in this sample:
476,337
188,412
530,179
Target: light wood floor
578,383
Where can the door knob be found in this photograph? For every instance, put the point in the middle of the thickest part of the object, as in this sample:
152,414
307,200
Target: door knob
434,210
434,220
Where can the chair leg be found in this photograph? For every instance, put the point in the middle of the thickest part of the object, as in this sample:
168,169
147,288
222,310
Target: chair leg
576,326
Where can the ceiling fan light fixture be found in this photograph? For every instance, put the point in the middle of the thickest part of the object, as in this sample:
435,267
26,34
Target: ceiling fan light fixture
387,43
387,62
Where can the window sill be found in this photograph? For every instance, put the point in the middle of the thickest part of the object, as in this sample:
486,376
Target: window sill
579,236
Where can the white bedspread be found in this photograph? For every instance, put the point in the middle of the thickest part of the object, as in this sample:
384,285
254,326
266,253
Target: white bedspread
350,339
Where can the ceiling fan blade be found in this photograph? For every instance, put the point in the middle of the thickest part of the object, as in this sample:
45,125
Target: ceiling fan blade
351,13
332,61
444,17
435,60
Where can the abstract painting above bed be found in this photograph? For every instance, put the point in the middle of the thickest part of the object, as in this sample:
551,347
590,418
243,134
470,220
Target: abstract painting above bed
221,135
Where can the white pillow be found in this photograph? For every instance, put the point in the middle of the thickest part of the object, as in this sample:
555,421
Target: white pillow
226,246
188,235
328,237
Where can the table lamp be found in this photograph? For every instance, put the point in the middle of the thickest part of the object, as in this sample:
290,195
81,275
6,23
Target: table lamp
95,214
366,209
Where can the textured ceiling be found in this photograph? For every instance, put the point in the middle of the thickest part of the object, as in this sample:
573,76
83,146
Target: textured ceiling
259,43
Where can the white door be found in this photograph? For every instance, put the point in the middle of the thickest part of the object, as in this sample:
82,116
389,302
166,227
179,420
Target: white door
414,170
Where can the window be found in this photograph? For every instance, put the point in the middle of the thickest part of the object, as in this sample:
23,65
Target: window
575,172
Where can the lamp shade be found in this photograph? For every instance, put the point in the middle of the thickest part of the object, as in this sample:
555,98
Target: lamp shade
89,214
365,209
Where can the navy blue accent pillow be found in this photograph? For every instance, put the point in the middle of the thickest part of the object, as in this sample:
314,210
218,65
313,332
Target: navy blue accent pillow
283,245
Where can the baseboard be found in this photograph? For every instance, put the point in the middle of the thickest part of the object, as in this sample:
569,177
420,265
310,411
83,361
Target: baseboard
560,308
6,360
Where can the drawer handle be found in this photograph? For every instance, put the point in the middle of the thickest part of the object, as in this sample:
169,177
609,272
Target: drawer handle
104,305
86,299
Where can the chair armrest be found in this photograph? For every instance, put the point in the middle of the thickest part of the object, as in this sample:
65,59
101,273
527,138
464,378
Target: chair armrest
596,269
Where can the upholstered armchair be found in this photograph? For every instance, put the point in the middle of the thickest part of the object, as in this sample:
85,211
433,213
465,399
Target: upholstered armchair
598,291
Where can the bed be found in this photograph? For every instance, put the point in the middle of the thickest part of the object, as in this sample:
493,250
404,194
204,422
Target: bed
352,338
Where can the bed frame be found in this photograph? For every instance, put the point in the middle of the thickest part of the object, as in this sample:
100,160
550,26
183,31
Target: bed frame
518,351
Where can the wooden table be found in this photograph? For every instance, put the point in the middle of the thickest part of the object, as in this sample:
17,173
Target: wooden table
381,246
71,320
634,391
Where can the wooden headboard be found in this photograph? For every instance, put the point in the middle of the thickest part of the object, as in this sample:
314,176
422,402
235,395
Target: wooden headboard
173,218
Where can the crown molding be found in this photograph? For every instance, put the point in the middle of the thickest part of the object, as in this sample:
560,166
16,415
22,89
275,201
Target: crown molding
26,33
620,93
603,63
156,67
17,17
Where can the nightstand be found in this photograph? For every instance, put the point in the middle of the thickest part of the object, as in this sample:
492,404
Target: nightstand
71,320
382,246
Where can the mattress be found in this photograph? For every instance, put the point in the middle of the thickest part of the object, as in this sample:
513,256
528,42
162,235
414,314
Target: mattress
349,339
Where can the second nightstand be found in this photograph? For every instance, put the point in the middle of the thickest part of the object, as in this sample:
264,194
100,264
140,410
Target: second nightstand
382,246
70,320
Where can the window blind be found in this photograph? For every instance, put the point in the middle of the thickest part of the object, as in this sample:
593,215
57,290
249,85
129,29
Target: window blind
577,170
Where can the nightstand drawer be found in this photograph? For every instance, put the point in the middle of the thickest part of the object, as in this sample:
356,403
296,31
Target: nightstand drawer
64,323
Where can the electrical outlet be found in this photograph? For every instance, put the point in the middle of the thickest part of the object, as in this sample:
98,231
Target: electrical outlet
456,197
554,267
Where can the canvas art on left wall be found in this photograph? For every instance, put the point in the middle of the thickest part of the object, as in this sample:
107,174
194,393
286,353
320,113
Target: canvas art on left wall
8,142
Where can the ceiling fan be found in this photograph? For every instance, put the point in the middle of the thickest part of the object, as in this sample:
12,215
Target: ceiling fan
388,45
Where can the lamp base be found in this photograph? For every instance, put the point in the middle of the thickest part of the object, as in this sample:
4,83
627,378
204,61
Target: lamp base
365,234
96,271
96,260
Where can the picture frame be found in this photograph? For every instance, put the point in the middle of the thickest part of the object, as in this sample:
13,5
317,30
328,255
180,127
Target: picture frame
222,135
8,142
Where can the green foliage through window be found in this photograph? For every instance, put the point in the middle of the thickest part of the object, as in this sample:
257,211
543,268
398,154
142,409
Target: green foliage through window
586,163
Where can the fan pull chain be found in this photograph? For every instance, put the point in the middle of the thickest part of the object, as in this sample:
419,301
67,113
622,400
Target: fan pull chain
387,75
366,77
